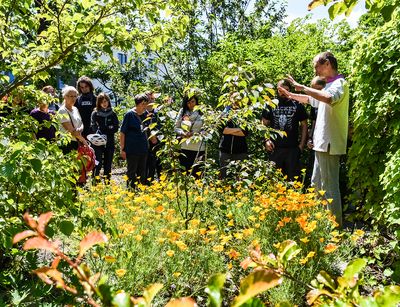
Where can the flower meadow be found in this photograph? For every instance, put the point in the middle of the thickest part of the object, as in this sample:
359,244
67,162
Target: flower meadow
152,238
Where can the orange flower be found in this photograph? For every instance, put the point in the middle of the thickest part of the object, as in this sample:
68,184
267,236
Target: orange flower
109,259
232,254
159,209
101,211
330,248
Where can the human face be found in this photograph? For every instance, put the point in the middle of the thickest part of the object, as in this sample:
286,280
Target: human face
104,104
70,99
191,104
321,69
141,107
84,87
280,92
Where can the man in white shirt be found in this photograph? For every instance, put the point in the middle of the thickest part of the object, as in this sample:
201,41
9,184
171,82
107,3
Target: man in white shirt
331,128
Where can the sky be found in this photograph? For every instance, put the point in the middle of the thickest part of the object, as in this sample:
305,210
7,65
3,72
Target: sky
298,8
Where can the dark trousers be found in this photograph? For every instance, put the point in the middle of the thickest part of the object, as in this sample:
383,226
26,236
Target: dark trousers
188,157
153,163
225,158
288,160
104,157
136,168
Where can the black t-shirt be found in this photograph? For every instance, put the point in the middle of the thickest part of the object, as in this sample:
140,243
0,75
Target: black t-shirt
313,113
86,104
286,117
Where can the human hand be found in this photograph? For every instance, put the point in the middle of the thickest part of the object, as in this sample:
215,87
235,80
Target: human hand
269,146
297,86
310,144
153,140
283,92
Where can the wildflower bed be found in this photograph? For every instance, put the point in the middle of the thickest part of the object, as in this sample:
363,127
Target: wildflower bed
152,240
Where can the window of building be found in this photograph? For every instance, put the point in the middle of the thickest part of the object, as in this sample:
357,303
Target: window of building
122,58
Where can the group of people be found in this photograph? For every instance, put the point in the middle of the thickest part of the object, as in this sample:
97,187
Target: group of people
82,114
329,97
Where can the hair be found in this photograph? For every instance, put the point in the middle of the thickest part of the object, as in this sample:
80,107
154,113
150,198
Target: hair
185,101
139,98
47,89
285,82
86,80
68,89
99,100
318,81
322,57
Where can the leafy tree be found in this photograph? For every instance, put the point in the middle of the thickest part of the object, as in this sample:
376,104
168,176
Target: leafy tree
38,35
373,157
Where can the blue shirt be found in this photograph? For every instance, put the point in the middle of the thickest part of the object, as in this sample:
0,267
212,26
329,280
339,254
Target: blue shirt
135,138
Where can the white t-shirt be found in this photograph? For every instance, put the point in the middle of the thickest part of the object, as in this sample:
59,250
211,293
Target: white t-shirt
73,115
331,127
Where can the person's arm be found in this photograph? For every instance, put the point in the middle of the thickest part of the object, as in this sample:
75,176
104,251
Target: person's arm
308,91
93,124
303,139
74,132
122,144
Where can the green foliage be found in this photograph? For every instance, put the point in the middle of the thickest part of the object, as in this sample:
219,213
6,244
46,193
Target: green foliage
38,36
344,291
373,156
384,8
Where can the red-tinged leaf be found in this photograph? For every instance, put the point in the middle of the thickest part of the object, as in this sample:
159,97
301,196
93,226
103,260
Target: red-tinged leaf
38,243
30,221
43,220
182,302
246,263
55,262
91,239
23,235
256,283
48,275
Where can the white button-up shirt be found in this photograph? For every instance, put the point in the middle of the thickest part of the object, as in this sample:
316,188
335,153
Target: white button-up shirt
331,127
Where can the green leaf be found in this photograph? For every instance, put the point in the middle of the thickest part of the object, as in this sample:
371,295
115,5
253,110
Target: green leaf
336,9
353,269
66,227
288,250
326,279
150,292
121,300
36,165
213,289
139,46
254,302
255,283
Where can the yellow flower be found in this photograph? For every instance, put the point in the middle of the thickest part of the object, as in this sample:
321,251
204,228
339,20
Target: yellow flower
230,266
305,240
310,254
138,238
318,215
321,240
258,225
252,218
359,232
202,231
231,223
144,232
238,235
248,232
161,240
229,215
218,248
109,259
277,245
177,274
170,253
321,192
181,245
212,232
120,272
303,260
